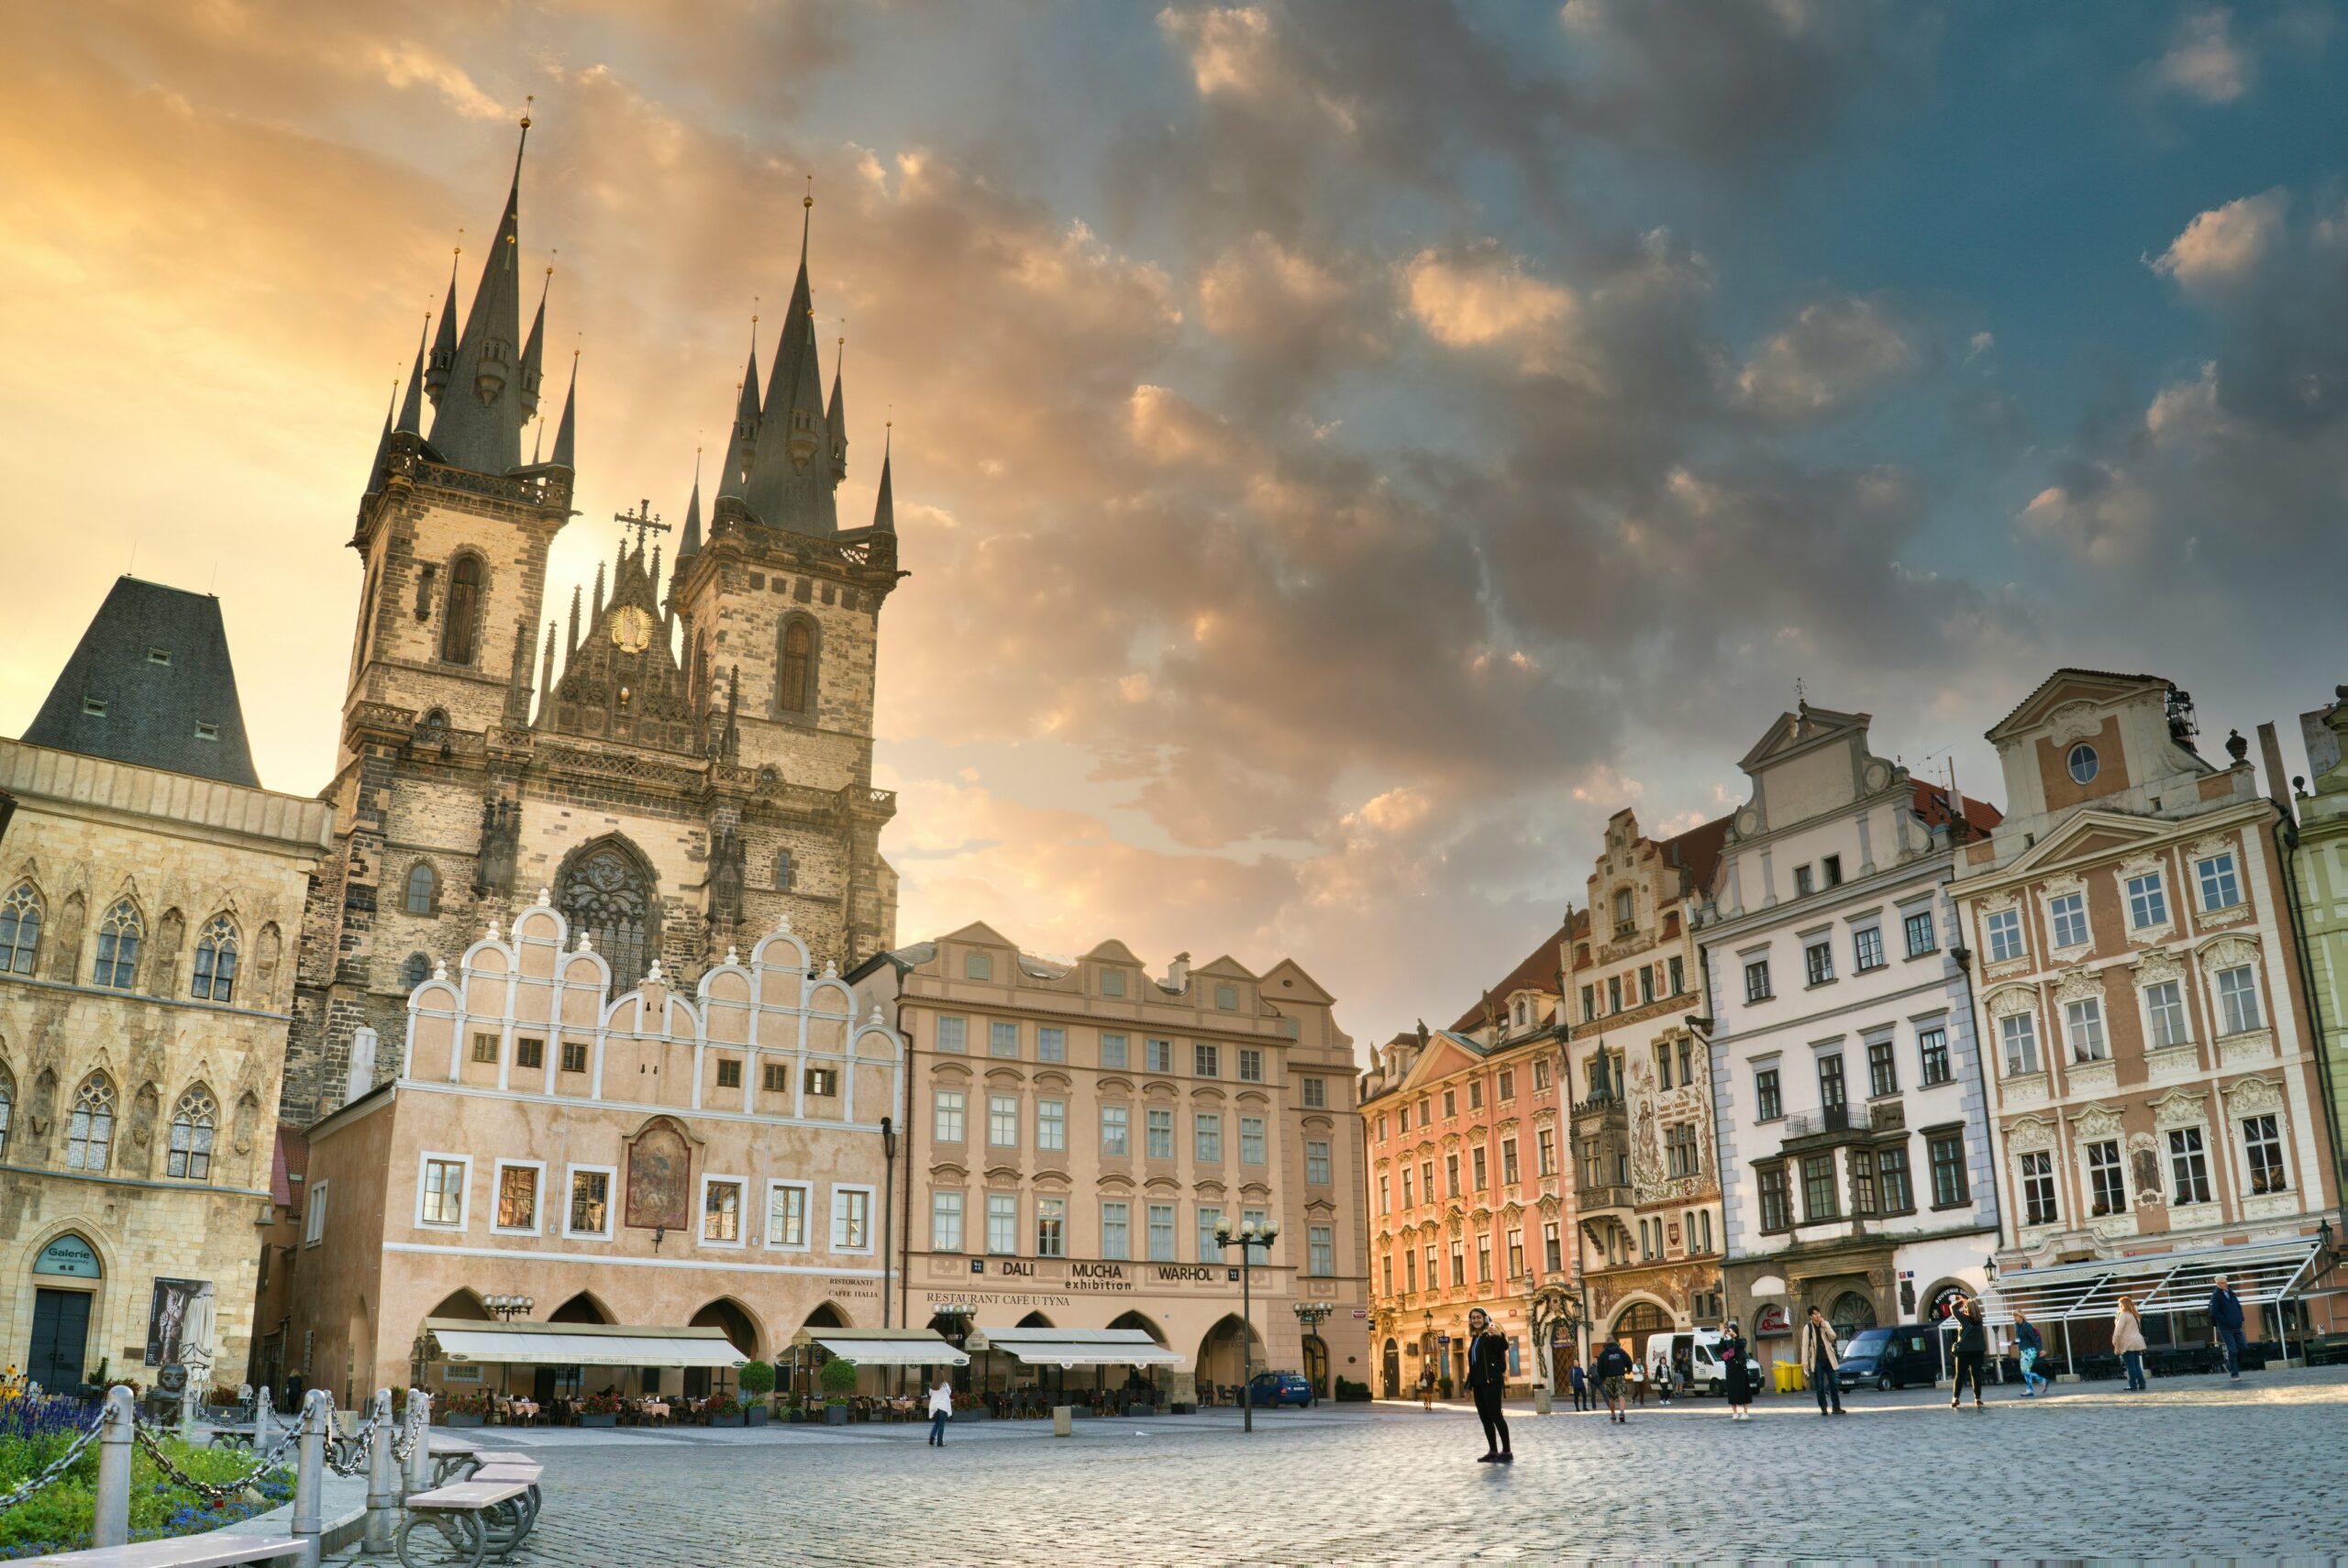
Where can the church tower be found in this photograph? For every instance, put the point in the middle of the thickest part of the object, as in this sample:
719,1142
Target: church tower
678,765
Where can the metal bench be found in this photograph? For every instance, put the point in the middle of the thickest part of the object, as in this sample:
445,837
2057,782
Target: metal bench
218,1549
457,1525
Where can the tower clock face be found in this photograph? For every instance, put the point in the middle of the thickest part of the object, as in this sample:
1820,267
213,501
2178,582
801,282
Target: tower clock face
631,629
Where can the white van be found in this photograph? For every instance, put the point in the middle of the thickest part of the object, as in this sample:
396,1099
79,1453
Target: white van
1699,1347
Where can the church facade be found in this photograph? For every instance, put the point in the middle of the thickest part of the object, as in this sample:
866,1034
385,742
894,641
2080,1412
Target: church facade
683,759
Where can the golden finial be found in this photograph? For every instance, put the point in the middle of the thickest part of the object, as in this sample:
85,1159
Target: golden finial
528,100
809,200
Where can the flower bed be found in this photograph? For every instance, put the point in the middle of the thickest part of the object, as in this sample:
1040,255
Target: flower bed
33,1433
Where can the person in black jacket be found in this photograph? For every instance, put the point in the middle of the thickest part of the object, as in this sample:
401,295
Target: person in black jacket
1488,1377
1972,1344
1613,1364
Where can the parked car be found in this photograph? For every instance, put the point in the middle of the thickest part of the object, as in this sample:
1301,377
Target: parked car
1891,1358
1701,1351
1269,1389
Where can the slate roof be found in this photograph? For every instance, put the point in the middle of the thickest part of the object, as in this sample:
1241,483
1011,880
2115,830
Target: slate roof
1698,851
1537,971
152,705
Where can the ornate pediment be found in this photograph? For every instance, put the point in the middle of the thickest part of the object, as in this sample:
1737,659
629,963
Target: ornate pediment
2156,966
2181,1107
2079,985
2096,1123
2253,1096
2029,1135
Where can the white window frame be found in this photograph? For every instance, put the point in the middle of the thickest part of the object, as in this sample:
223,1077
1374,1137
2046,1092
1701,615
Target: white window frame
611,1174
2083,1028
2158,891
1173,1132
2231,873
939,1195
1051,1133
1994,926
962,1035
2005,1039
994,1109
2056,913
464,1191
960,1111
1124,1145
806,1243
1263,1140
1124,1250
992,1250
497,1191
2224,1000
314,1213
1150,1211
741,1186
2151,1013
840,1191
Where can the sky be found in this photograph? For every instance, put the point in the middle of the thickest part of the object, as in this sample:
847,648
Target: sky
1344,450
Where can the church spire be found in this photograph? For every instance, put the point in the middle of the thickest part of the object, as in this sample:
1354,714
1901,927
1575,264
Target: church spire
482,410
690,543
444,347
742,445
383,442
531,352
410,420
546,682
563,431
787,490
836,416
884,506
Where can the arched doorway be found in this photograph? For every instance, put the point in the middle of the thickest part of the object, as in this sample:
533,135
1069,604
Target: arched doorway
67,1275
1221,1359
811,1358
608,891
728,1317
462,1304
580,1309
1851,1312
1639,1320
1394,1369
1316,1365
1138,1382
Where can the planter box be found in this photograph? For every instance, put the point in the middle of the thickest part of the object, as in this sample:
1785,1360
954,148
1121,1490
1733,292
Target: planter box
611,1419
836,1415
758,1414
1143,1410
462,1419
734,1419
975,1413
1185,1407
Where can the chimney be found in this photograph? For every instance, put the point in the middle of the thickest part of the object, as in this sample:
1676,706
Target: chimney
2270,757
1178,974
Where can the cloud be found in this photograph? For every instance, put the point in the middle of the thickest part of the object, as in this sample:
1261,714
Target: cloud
1230,48
2223,246
1480,297
1831,354
2204,60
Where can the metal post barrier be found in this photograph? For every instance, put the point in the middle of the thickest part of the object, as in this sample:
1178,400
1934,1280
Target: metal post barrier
382,1500
309,1477
110,1524
264,1420
419,1456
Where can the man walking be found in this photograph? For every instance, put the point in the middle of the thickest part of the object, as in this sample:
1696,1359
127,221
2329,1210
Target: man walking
1820,1362
2225,1316
2031,1344
1613,1364
1487,1378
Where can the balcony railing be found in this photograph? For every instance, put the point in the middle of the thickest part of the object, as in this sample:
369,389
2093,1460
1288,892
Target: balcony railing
1811,1124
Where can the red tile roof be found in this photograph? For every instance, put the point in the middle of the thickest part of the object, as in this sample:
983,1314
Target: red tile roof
289,1159
1537,972
1699,849
1932,804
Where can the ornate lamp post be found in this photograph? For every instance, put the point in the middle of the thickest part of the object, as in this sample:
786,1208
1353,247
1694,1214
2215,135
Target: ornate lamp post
1249,1235
505,1308
1310,1316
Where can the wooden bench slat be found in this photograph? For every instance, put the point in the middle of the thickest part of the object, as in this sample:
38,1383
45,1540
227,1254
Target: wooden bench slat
508,1472
213,1549
467,1495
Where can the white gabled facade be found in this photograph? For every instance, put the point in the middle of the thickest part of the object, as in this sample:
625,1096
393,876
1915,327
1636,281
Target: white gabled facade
1854,1151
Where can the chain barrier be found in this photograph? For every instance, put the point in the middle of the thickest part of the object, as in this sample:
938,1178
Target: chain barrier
59,1466
405,1435
354,1445
217,1491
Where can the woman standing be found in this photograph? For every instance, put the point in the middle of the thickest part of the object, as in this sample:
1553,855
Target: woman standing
2128,1338
1638,1383
1488,1380
2032,1344
1972,1344
941,1410
1737,1356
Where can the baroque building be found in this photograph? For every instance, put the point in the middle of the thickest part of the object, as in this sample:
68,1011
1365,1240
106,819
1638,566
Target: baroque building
1078,1131
1639,1083
1470,1204
2317,874
2156,1097
684,761
150,891
1854,1140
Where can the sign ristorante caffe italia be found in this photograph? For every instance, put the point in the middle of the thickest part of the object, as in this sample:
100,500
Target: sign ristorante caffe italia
1054,1282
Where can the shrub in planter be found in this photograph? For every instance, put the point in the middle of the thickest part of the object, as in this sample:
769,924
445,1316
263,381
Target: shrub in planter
723,1410
1352,1393
838,1378
599,1409
467,1407
757,1380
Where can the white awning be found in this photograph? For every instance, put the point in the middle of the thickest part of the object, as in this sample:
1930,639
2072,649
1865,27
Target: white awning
2261,1274
583,1344
906,1352
1077,1347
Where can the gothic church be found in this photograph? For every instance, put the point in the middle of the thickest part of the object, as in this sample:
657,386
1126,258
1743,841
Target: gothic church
682,761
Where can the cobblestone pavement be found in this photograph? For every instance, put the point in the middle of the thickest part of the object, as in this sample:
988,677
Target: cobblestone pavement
2194,1468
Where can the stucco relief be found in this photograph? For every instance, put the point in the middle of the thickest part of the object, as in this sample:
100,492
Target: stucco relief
2096,1123
2156,966
2180,1107
2246,1050
2073,721
2253,1096
2226,952
2079,985
2144,1171
2030,1135
2009,1000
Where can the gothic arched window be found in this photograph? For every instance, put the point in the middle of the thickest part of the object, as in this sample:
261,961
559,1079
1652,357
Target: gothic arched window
605,894
460,624
786,872
423,889
794,687
19,930
192,1125
415,971
216,961
7,1108
119,934
89,1137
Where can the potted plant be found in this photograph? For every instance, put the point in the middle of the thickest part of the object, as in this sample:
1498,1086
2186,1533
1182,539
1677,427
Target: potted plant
599,1409
970,1407
757,1380
467,1407
723,1410
838,1378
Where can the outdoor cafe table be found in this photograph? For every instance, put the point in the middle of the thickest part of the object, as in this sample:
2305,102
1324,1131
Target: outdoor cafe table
651,1407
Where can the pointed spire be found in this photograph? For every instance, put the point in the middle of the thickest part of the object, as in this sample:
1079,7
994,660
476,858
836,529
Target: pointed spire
733,710
517,687
479,425
742,445
410,420
546,681
563,432
836,416
532,351
787,490
572,645
444,346
655,574
383,442
598,611
690,543
884,506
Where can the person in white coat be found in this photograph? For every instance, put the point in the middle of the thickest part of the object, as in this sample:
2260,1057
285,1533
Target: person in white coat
941,1410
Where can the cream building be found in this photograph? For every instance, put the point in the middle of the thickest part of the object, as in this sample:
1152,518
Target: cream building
149,889
1078,1130
1650,1239
664,1158
1470,1203
2154,1086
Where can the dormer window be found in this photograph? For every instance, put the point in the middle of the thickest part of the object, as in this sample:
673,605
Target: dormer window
205,731
159,655
96,707
2084,764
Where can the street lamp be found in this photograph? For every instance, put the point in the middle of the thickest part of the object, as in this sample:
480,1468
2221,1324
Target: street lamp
1249,1235
1310,1316
507,1308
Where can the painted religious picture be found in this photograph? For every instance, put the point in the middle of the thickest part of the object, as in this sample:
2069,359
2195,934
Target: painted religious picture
660,1179
175,1319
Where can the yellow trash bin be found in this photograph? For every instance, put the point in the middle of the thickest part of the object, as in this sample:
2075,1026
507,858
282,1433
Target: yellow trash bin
1790,1378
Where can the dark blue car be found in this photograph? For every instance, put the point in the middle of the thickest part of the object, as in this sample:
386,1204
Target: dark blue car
1269,1389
